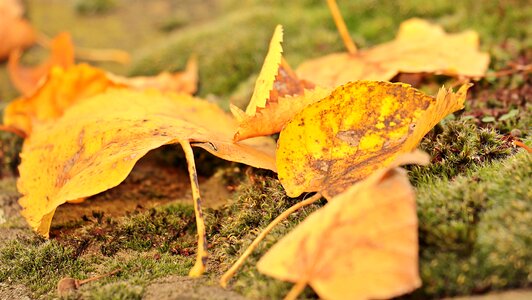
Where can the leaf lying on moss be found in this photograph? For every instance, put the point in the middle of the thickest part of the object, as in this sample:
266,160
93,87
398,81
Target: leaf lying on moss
96,143
419,47
359,128
361,245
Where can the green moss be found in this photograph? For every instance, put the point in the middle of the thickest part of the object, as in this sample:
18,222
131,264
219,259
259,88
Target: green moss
116,291
456,146
89,7
39,264
234,227
474,230
10,146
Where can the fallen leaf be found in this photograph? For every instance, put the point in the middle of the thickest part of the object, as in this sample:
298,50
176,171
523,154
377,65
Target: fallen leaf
361,127
362,245
62,88
418,47
278,95
15,32
186,82
97,141
27,79
272,119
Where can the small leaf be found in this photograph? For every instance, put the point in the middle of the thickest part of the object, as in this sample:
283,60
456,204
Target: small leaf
361,127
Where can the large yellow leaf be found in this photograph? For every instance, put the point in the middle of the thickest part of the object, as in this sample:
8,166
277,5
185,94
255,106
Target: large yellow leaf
96,143
277,97
418,47
361,245
361,127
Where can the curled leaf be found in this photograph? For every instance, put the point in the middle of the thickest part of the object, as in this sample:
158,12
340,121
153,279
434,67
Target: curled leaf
361,127
418,47
27,79
361,245
97,141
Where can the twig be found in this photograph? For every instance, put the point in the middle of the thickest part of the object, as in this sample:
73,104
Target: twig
231,272
342,29
201,257
296,290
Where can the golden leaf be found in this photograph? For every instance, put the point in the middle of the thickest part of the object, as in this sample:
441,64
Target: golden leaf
361,127
96,143
361,245
418,47
27,79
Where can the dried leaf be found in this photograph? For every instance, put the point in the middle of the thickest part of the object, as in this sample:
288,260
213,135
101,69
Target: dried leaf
27,79
361,127
270,68
278,95
15,32
186,82
96,143
418,47
61,89
361,245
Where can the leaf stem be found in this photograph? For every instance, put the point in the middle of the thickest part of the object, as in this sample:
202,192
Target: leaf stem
296,290
340,25
231,272
14,130
201,257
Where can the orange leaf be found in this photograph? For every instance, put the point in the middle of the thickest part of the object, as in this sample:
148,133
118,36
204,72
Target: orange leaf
278,95
361,245
61,89
361,127
97,141
418,47
27,79
15,32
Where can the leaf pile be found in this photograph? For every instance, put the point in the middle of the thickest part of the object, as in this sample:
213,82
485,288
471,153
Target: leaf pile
343,133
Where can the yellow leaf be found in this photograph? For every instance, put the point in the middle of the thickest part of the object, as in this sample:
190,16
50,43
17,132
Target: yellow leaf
361,127
96,143
264,83
62,88
27,79
418,47
361,245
